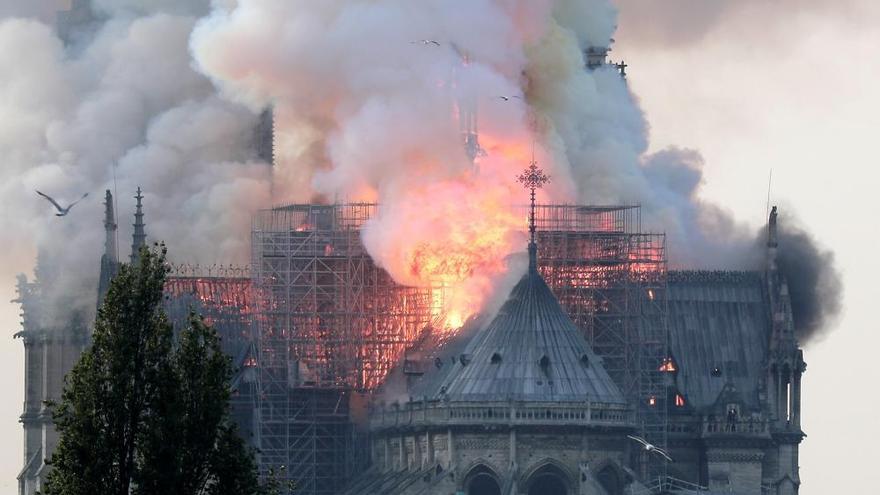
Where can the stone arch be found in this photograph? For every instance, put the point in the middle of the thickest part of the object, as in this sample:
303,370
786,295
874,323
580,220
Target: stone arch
610,476
786,485
482,462
548,477
481,479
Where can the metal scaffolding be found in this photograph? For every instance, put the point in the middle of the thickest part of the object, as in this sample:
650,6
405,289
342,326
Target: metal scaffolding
611,279
331,322
327,449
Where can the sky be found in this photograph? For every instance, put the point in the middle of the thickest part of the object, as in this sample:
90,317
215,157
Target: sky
790,86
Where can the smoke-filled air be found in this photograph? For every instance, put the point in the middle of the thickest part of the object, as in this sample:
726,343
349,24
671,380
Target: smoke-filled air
429,108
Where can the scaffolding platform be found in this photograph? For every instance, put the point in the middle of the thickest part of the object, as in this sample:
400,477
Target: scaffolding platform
331,321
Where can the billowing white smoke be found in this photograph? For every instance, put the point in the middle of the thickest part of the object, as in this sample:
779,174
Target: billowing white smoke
598,137
365,94
366,112
126,97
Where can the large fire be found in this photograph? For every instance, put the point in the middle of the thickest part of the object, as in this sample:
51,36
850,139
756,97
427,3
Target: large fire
453,236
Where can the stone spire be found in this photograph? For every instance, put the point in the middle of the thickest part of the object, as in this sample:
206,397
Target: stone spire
780,298
110,259
785,363
139,237
772,240
533,178
110,251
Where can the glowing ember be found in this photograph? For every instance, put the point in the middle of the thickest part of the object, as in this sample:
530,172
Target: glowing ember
454,319
668,366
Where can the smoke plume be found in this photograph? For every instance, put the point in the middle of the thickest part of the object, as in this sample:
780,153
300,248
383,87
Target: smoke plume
369,98
373,100
120,108
814,282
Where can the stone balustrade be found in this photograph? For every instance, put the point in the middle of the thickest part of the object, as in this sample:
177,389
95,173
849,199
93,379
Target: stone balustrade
748,426
437,413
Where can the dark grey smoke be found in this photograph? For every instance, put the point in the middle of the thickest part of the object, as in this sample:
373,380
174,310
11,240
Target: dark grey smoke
814,280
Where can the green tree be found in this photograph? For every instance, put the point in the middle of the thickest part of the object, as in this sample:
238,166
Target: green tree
144,412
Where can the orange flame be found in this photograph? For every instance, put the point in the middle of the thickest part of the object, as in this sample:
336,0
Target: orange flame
456,245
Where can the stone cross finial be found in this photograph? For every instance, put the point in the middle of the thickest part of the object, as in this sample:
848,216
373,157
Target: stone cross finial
533,178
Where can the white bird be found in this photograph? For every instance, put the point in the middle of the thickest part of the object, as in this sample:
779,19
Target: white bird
651,448
426,42
62,211
507,98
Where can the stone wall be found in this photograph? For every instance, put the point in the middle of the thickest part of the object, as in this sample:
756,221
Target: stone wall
735,469
511,455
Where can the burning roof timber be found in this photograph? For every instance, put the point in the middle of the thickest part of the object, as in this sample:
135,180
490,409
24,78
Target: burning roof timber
223,296
347,323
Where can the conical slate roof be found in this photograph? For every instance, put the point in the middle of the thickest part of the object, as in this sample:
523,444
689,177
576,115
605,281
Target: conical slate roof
530,351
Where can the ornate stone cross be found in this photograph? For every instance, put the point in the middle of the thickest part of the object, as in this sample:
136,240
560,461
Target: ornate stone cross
533,178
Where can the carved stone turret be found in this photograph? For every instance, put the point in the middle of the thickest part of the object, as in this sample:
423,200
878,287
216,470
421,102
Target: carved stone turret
139,237
110,259
785,367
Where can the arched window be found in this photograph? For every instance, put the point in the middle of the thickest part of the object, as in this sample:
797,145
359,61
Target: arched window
544,362
548,480
481,481
609,478
668,365
585,360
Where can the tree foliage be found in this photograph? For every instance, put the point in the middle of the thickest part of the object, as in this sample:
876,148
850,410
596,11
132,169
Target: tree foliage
144,411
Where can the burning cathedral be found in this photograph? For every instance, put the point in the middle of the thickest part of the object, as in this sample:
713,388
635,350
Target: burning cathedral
603,372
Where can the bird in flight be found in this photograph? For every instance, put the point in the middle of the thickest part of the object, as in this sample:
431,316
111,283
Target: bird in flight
507,98
62,211
426,42
651,448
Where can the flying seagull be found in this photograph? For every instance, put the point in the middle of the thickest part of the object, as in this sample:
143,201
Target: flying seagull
507,98
426,42
651,448
61,210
